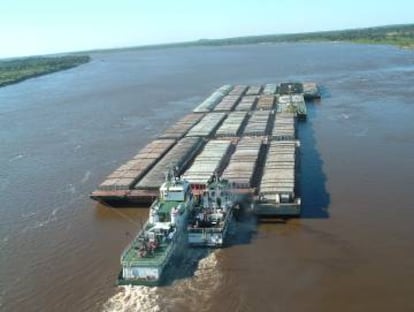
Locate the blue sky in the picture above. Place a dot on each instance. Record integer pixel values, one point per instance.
(29, 27)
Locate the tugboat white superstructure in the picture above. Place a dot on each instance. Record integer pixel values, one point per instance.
(210, 219)
(162, 237)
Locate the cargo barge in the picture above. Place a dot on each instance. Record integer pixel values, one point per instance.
(244, 134)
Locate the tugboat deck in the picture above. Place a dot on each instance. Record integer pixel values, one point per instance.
(132, 258)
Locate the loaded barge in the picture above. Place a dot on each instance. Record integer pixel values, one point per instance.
(243, 134)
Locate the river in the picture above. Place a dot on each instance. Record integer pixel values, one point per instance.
(61, 134)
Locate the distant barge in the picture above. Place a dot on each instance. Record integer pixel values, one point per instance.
(244, 134)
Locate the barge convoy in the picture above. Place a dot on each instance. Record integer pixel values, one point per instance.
(239, 146)
(246, 135)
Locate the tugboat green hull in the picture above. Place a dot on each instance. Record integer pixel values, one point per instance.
(138, 282)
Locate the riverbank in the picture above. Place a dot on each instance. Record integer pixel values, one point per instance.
(397, 35)
(401, 36)
(14, 71)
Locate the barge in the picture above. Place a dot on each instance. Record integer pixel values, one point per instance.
(277, 195)
(246, 135)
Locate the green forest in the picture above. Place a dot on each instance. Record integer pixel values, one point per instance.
(16, 70)
(399, 35)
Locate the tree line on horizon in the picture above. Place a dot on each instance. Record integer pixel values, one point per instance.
(13, 71)
(401, 35)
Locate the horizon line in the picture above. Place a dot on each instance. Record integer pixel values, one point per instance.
(194, 42)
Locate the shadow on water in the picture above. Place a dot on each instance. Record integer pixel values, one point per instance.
(243, 229)
(312, 179)
(241, 232)
(185, 265)
(325, 94)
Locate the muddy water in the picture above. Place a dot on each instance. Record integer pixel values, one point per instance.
(352, 250)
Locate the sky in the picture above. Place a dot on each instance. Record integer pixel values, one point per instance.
(33, 27)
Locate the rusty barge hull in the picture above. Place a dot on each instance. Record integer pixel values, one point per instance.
(125, 198)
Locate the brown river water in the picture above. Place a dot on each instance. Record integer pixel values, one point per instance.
(352, 250)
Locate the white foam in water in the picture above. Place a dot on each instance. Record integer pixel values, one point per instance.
(52, 217)
(28, 215)
(197, 292)
(40, 223)
(16, 157)
(133, 298)
(71, 188)
(189, 294)
(86, 177)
